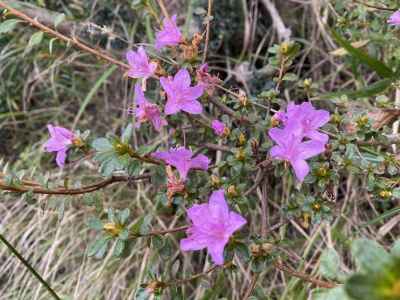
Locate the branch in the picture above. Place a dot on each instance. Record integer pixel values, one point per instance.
(207, 31)
(374, 6)
(73, 41)
(36, 188)
(305, 277)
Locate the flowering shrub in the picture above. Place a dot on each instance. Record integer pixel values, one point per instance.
(238, 179)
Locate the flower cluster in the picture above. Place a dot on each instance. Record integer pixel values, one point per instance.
(214, 231)
(299, 122)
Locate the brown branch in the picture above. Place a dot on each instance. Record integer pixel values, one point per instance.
(251, 286)
(305, 277)
(187, 280)
(163, 8)
(73, 41)
(161, 232)
(207, 31)
(28, 186)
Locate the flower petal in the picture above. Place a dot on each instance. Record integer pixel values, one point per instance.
(216, 251)
(218, 207)
(301, 169)
(193, 107)
(200, 162)
(61, 157)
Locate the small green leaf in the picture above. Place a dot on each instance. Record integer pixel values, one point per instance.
(127, 134)
(8, 25)
(119, 248)
(102, 145)
(35, 39)
(329, 264)
(95, 224)
(59, 19)
(99, 247)
(123, 216)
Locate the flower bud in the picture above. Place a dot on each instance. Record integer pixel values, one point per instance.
(215, 181)
(385, 194)
(78, 142)
(112, 228)
(241, 139)
(240, 155)
(232, 192)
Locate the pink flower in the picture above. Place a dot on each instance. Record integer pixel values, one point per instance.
(60, 140)
(182, 159)
(291, 148)
(305, 120)
(206, 79)
(139, 64)
(394, 19)
(147, 111)
(212, 226)
(169, 35)
(181, 96)
(218, 127)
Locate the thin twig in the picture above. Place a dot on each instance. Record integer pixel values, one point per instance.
(38, 189)
(29, 267)
(305, 277)
(251, 286)
(374, 6)
(187, 280)
(163, 9)
(207, 31)
(59, 35)
(161, 232)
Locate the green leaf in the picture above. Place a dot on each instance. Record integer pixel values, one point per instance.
(376, 65)
(95, 224)
(369, 255)
(119, 248)
(329, 264)
(35, 39)
(59, 19)
(102, 144)
(8, 25)
(337, 293)
(127, 134)
(123, 216)
(99, 247)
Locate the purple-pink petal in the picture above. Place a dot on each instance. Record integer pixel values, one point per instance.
(394, 19)
(182, 159)
(59, 141)
(301, 169)
(169, 35)
(139, 64)
(218, 127)
(212, 226)
(180, 95)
